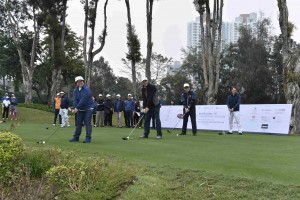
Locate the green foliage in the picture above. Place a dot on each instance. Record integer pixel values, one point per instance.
(90, 175)
(11, 151)
(39, 161)
(42, 107)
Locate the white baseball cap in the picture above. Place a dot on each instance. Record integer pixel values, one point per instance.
(58, 94)
(186, 85)
(118, 95)
(79, 78)
(62, 92)
(100, 95)
(108, 95)
(129, 94)
(144, 78)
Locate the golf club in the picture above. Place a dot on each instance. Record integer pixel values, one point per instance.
(127, 138)
(44, 141)
(180, 117)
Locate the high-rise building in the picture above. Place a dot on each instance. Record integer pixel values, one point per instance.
(230, 30)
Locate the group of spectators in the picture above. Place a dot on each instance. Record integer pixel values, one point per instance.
(105, 108)
(9, 107)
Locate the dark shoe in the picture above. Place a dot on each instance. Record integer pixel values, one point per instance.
(158, 137)
(240, 133)
(228, 132)
(74, 140)
(194, 134)
(143, 136)
(182, 134)
(86, 141)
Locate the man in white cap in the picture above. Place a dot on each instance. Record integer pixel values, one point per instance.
(100, 111)
(129, 108)
(108, 111)
(5, 105)
(151, 105)
(64, 105)
(118, 109)
(188, 100)
(56, 106)
(83, 108)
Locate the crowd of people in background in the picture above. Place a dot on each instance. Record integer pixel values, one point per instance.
(89, 109)
(9, 107)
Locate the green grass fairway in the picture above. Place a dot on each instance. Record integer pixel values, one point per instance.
(268, 158)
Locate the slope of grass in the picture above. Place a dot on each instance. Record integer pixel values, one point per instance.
(209, 165)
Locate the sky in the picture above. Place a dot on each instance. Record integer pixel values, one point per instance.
(169, 25)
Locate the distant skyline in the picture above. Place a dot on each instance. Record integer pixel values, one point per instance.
(169, 32)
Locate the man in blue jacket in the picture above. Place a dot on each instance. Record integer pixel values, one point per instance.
(233, 104)
(118, 109)
(188, 100)
(83, 107)
(151, 105)
(129, 108)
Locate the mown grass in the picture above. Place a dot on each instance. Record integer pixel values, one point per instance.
(207, 166)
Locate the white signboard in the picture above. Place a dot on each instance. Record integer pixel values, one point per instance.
(259, 118)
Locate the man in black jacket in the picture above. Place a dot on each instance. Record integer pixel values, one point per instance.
(100, 111)
(233, 104)
(188, 99)
(151, 107)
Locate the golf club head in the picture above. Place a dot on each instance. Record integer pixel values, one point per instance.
(180, 116)
(125, 138)
(220, 133)
(168, 131)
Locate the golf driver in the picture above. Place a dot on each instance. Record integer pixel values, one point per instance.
(127, 138)
(180, 117)
(44, 141)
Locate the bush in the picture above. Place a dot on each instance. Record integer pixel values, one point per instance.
(96, 177)
(11, 151)
(39, 161)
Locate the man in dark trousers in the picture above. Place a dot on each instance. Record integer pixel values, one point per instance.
(83, 107)
(233, 104)
(151, 107)
(100, 111)
(188, 100)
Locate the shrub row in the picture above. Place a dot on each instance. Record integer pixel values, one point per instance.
(48, 173)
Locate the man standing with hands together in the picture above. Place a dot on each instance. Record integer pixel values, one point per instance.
(83, 107)
(233, 104)
(188, 100)
(151, 107)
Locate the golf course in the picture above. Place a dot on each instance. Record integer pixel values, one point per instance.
(206, 166)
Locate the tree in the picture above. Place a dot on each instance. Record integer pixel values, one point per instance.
(291, 64)
(159, 65)
(103, 81)
(149, 8)
(16, 12)
(90, 10)
(170, 87)
(210, 44)
(53, 16)
(134, 47)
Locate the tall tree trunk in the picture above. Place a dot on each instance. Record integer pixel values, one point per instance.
(27, 69)
(58, 54)
(291, 65)
(133, 68)
(89, 56)
(211, 45)
(149, 7)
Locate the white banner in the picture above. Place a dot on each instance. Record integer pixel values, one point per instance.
(258, 118)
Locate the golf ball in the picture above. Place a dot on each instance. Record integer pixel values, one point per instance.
(128, 138)
(177, 134)
(43, 142)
